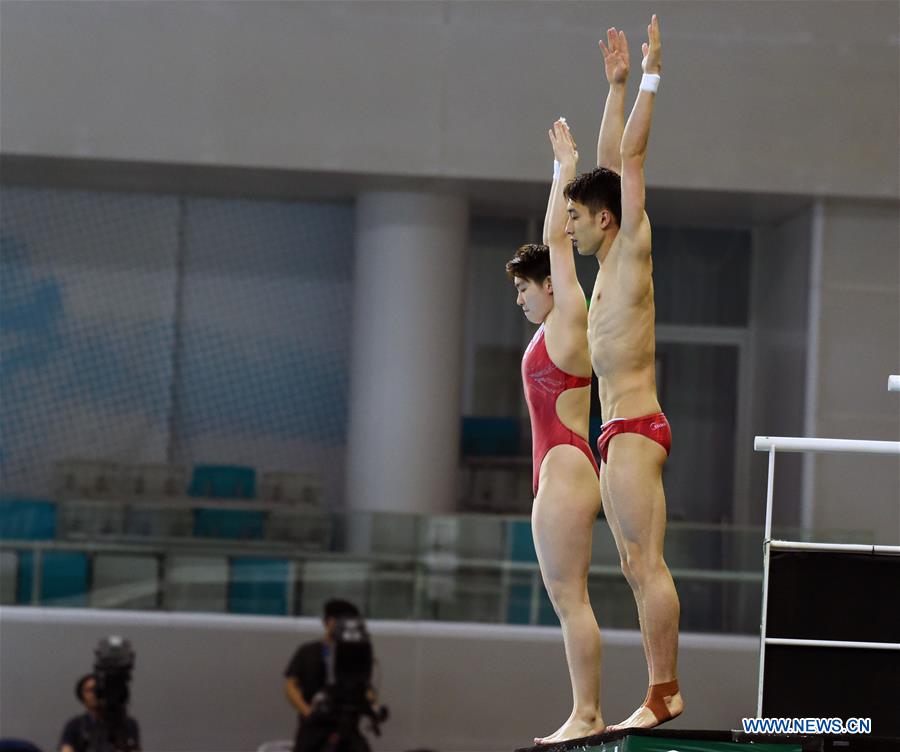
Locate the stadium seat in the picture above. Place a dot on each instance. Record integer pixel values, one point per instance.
(27, 519)
(223, 482)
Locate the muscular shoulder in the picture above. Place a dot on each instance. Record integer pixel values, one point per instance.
(566, 342)
(638, 241)
(565, 330)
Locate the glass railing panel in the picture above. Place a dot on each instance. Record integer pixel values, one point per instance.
(195, 582)
(392, 592)
(183, 555)
(125, 581)
(459, 592)
(612, 600)
(8, 569)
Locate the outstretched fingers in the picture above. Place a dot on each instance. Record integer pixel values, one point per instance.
(651, 48)
(613, 42)
(562, 141)
(615, 55)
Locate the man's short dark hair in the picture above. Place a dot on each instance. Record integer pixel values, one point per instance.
(598, 189)
(532, 261)
(337, 608)
(79, 686)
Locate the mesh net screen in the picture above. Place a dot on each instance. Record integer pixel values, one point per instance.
(149, 328)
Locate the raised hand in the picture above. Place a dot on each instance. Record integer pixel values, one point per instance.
(555, 220)
(564, 150)
(615, 56)
(652, 49)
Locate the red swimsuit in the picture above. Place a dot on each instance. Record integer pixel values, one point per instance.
(654, 427)
(544, 382)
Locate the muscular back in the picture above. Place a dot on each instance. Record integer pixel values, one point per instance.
(621, 332)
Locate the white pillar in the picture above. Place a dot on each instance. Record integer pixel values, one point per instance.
(406, 370)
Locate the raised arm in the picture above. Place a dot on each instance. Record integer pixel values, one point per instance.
(636, 135)
(615, 60)
(568, 297)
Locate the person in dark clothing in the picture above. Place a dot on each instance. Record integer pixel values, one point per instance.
(307, 675)
(80, 733)
(18, 745)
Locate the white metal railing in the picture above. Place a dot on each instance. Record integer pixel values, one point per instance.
(834, 643)
(858, 548)
(773, 444)
(822, 446)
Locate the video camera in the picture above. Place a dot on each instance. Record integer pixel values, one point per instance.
(345, 698)
(113, 663)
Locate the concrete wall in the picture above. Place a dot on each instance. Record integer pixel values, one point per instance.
(778, 320)
(206, 682)
(855, 341)
(826, 335)
(456, 89)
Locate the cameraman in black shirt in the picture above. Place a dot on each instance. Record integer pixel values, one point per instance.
(80, 733)
(307, 682)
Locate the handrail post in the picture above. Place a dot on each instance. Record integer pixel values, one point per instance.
(770, 489)
(771, 444)
(37, 574)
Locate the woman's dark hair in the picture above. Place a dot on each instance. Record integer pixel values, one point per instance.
(532, 261)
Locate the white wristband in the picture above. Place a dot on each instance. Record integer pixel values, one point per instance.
(650, 82)
(555, 168)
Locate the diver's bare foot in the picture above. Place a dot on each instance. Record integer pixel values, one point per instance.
(645, 718)
(574, 728)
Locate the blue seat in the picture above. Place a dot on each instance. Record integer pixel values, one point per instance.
(492, 437)
(259, 586)
(223, 482)
(521, 590)
(27, 519)
(64, 578)
(521, 542)
(546, 614)
(518, 610)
